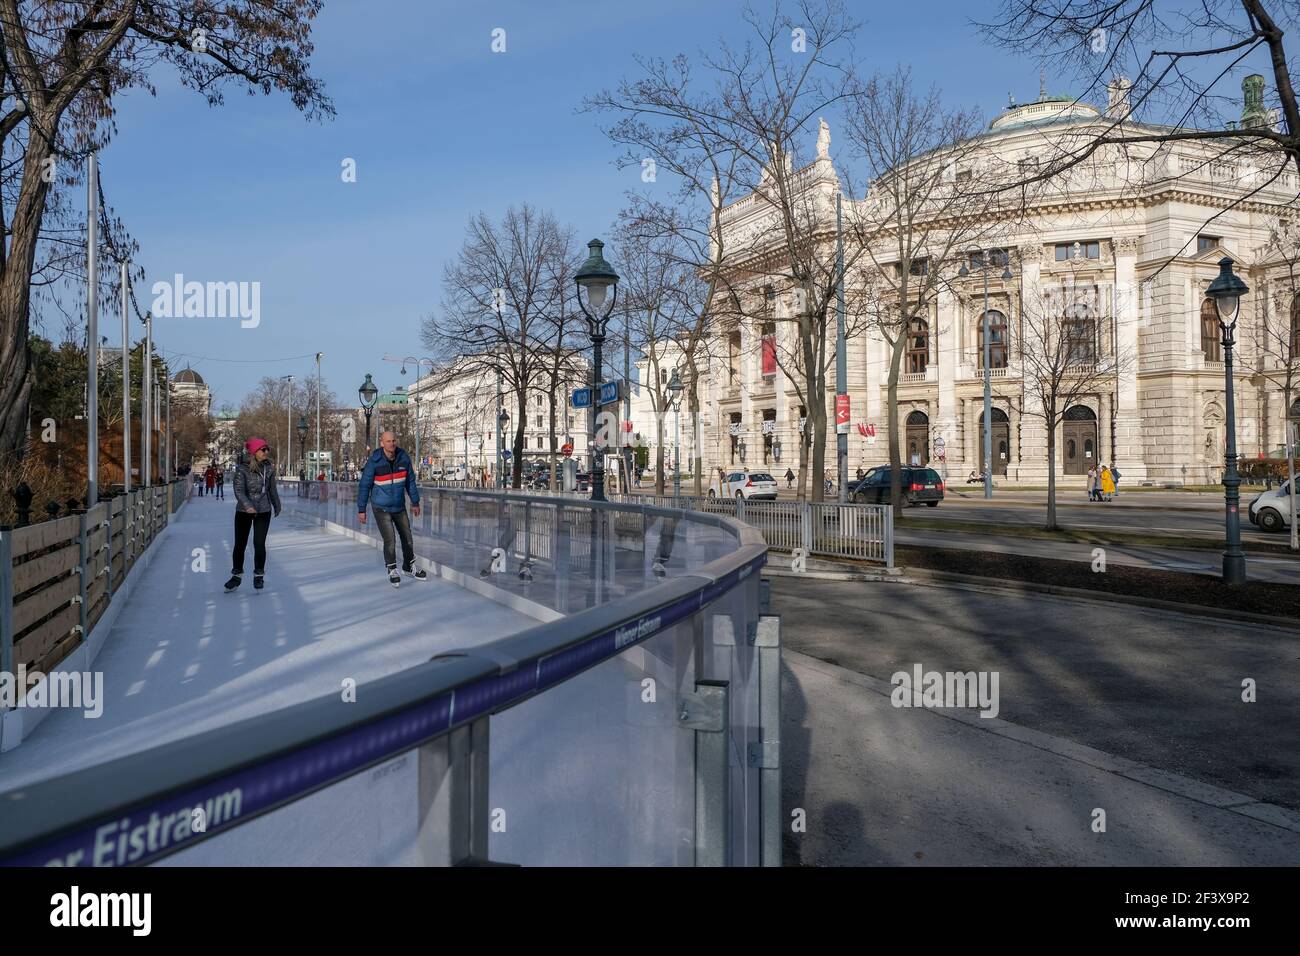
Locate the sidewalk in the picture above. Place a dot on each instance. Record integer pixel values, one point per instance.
(887, 786)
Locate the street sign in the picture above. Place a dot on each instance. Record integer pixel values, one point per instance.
(582, 398)
(939, 446)
(505, 453)
(841, 414)
(609, 392)
(566, 449)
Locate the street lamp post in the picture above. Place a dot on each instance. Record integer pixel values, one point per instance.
(302, 440)
(1226, 291)
(418, 400)
(368, 394)
(675, 390)
(599, 278)
(289, 422)
(503, 421)
(318, 449)
(986, 262)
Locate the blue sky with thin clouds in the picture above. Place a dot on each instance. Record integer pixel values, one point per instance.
(440, 128)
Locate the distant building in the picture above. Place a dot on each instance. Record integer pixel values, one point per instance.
(188, 386)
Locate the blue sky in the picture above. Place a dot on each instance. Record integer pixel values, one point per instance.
(440, 128)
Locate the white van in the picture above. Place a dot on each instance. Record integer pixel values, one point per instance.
(1272, 510)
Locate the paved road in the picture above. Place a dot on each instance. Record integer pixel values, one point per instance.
(1133, 711)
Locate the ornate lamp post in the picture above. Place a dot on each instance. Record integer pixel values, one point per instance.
(675, 388)
(368, 393)
(986, 262)
(599, 278)
(418, 400)
(1226, 290)
(503, 423)
(302, 436)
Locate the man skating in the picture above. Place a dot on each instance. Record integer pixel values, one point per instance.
(386, 480)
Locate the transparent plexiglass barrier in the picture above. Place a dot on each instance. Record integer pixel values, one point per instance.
(610, 767)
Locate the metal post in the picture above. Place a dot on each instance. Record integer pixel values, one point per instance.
(677, 451)
(92, 332)
(126, 388)
(318, 355)
(6, 602)
(597, 455)
(841, 360)
(1234, 559)
(988, 391)
(628, 454)
(288, 421)
(1292, 436)
(453, 797)
(706, 713)
(767, 642)
(500, 469)
(167, 441)
(889, 537)
(83, 573)
(146, 409)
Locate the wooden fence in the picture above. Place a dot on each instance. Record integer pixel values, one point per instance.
(58, 577)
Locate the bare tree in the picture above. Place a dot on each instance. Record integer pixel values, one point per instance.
(1067, 353)
(500, 300)
(63, 64)
(747, 129)
(1278, 346)
(934, 197)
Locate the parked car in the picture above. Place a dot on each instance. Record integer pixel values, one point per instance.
(758, 485)
(1272, 510)
(918, 485)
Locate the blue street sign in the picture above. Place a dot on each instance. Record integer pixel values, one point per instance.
(505, 452)
(582, 398)
(609, 392)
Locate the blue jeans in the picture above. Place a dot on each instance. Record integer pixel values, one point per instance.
(385, 520)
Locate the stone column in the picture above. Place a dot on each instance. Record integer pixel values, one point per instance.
(944, 424)
(1129, 452)
(1032, 467)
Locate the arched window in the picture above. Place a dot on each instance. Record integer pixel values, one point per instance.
(1080, 336)
(918, 345)
(1295, 328)
(998, 342)
(1210, 332)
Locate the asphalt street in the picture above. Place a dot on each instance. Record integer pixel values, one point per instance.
(1136, 712)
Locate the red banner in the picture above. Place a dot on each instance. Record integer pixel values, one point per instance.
(842, 414)
(769, 355)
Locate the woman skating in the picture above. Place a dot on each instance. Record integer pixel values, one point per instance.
(256, 498)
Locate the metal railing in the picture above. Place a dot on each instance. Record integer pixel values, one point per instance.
(639, 726)
(861, 531)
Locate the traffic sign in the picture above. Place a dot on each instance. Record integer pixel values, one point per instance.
(939, 446)
(582, 398)
(566, 449)
(609, 392)
(505, 452)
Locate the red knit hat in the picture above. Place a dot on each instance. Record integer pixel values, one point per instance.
(253, 444)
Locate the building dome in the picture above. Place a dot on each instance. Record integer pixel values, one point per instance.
(187, 376)
(1048, 109)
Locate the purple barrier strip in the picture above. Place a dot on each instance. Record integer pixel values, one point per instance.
(161, 827)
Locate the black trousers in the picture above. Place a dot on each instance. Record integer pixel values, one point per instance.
(386, 520)
(221, 491)
(260, 523)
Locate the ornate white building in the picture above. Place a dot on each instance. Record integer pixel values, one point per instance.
(1128, 243)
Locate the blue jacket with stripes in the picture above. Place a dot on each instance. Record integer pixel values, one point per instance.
(386, 483)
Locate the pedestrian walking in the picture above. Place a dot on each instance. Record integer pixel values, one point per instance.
(1092, 483)
(386, 481)
(1107, 484)
(789, 478)
(210, 479)
(256, 499)
(1115, 476)
(221, 484)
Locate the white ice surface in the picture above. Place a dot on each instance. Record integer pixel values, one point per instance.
(184, 656)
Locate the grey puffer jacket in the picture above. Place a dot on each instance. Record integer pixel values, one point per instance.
(255, 487)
